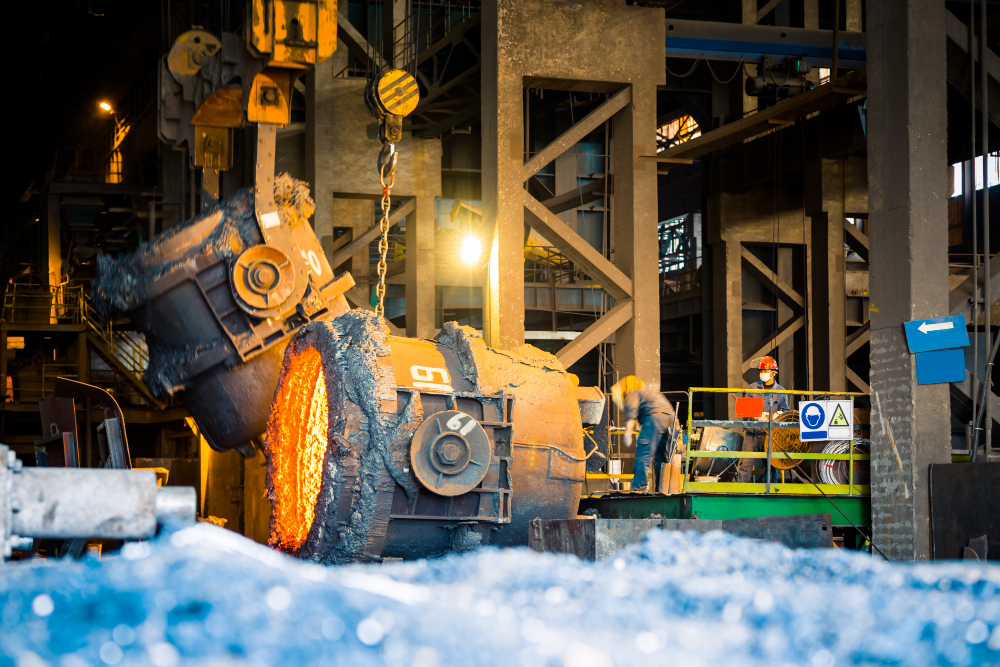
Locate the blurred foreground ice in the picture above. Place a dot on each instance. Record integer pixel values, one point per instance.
(206, 596)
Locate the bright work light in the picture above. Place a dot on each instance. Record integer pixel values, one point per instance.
(471, 249)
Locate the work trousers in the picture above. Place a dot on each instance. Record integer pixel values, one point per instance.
(650, 448)
(754, 441)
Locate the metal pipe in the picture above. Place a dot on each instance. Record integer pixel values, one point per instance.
(987, 328)
(986, 386)
(836, 43)
(969, 174)
(65, 503)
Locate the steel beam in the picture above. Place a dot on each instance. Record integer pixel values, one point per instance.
(856, 380)
(575, 134)
(781, 289)
(959, 75)
(578, 197)
(734, 42)
(856, 240)
(597, 332)
(858, 338)
(346, 252)
(579, 251)
(960, 298)
(780, 336)
(822, 97)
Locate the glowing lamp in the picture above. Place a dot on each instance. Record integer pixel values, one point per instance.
(471, 249)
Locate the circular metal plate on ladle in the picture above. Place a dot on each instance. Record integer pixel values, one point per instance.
(263, 279)
(450, 453)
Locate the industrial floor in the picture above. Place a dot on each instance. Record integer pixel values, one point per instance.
(678, 599)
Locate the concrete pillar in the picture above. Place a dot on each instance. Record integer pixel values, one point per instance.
(908, 193)
(341, 165)
(727, 320)
(503, 185)
(50, 269)
(825, 206)
(515, 34)
(634, 220)
(852, 18)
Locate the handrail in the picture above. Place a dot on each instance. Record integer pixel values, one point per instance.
(68, 303)
(688, 486)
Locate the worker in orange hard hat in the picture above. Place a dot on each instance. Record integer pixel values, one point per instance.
(655, 416)
(755, 438)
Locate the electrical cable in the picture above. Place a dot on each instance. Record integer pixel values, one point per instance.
(697, 61)
(982, 402)
(740, 67)
(970, 184)
(870, 539)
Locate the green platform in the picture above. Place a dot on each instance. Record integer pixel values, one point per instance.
(719, 506)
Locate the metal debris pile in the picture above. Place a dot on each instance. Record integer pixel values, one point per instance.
(205, 595)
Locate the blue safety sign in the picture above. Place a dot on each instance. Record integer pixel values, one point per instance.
(938, 333)
(941, 366)
(812, 420)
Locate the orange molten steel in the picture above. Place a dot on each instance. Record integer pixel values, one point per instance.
(297, 436)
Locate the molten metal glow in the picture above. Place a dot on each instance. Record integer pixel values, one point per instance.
(297, 436)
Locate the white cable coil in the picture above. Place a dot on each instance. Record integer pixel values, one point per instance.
(834, 471)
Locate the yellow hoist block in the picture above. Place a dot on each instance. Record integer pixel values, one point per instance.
(270, 98)
(293, 34)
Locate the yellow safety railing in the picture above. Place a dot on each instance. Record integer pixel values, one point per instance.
(767, 487)
(69, 304)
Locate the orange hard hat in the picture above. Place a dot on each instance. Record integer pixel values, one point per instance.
(768, 364)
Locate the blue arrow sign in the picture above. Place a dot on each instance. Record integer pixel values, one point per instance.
(938, 333)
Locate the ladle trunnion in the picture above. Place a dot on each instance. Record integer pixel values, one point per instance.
(218, 302)
(387, 447)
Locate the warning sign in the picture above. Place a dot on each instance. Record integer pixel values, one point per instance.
(825, 420)
(841, 421)
(838, 418)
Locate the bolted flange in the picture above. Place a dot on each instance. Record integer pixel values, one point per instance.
(450, 453)
(263, 278)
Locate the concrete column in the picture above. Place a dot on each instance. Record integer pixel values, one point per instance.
(825, 205)
(503, 185)
(50, 269)
(634, 220)
(852, 21)
(908, 193)
(727, 320)
(515, 34)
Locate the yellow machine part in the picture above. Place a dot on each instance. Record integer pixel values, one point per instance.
(189, 50)
(212, 148)
(786, 440)
(398, 92)
(291, 33)
(271, 97)
(223, 108)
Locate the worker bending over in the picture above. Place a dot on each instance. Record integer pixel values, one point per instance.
(655, 415)
(755, 438)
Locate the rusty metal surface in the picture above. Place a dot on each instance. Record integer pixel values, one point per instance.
(378, 390)
(178, 290)
(588, 538)
(593, 538)
(802, 531)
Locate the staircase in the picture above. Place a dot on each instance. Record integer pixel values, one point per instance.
(67, 305)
